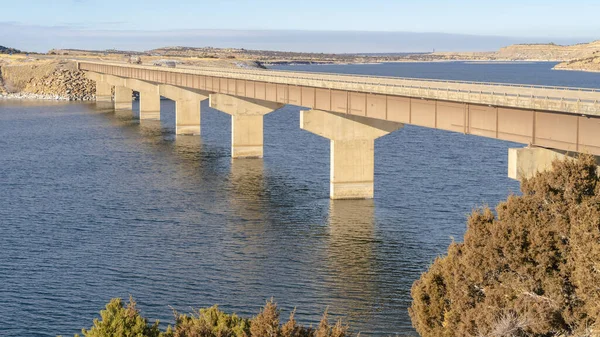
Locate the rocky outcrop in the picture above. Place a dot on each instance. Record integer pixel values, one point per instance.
(587, 64)
(68, 84)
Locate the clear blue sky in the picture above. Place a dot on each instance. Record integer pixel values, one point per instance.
(552, 19)
(560, 18)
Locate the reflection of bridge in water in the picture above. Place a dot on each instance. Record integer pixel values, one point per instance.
(352, 111)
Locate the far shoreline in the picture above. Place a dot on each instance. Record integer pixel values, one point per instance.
(470, 62)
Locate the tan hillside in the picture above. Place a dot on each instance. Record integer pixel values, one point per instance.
(586, 64)
(548, 52)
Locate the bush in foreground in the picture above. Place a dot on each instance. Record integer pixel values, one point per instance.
(121, 321)
(126, 321)
(532, 269)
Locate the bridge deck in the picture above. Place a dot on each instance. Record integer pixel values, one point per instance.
(551, 98)
(557, 117)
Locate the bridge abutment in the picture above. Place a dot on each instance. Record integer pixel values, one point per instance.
(246, 122)
(352, 146)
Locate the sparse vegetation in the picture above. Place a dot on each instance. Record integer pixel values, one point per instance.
(531, 269)
(118, 320)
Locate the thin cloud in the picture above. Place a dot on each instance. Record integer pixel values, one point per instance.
(90, 25)
(72, 35)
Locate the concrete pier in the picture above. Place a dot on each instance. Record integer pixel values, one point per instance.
(246, 122)
(104, 95)
(150, 105)
(187, 117)
(187, 108)
(352, 157)
(524, 163)
(149, 98)
(123, 98)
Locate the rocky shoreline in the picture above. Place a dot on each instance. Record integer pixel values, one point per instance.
(30, 96)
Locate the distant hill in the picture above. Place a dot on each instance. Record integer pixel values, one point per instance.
(529, 52)
(6, 50)
(277, 57)
(80, 52)
(550, 52)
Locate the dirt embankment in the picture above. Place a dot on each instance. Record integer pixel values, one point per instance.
(49, 79)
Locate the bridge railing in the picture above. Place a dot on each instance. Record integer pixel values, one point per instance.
(551, 98)
(393, 78)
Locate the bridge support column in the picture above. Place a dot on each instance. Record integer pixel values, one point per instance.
(187, 107)
(187, 117)
(352, 157)
(246, 122)
(524, 163)
(103, 90)
(104, 95)
(123, 98)
(150, 104)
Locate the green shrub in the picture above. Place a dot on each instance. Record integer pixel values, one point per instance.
(119, 321)
(211, 322)
(531, 270)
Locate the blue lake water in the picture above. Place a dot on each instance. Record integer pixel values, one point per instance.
(95, 205)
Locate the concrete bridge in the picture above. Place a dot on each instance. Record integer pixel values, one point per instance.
(352, 111)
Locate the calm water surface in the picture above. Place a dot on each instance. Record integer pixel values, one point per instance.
(95, 205)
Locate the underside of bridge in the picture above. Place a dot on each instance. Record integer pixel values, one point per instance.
(352, 121)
